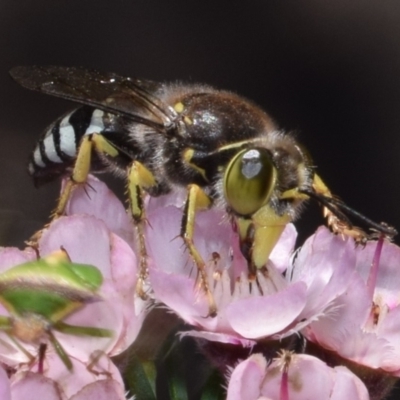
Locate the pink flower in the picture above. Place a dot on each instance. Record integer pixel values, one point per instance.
(275, 307)
(364, 323)
(57, 383)
(88, 240)
(96, 199)
(5, 389)
(294, 377)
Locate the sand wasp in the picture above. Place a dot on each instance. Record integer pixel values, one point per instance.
(224, 149)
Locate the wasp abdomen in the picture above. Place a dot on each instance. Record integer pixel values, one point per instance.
(58, 146)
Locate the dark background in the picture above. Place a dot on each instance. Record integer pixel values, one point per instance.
(329, 70)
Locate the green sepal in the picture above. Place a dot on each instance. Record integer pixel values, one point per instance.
(186, 374)
(213, 386)
(140, 378)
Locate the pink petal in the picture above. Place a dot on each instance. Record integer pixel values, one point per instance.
(124, 262)
(262, 316)
(31, 384)
(85, 238)
(366, 348)
(388, 280)
(283, 251)
(107, 389)
(102, 314)
(309, 378)
(72, 382)
(96, 199)
(350, 310)
(164, 246)
(5, 390)
(348, 386)
(389, 330)
(177, 292)
(246, 379)
(167, 249)
(326, 264)
(11, 256)
(219, 337)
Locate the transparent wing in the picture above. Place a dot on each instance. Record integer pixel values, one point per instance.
(132, 98)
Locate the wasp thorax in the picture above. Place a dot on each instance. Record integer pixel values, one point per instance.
(249, 180)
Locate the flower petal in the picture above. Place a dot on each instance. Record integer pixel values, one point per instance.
(348, 386)
(5, 390)
(107, 389)
(246, 379)
(35, 384)
(261, 316)
(96, 199)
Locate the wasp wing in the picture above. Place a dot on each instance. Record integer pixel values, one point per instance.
(131, 98)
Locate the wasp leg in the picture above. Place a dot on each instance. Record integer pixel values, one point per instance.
(337, 225)
(79, 174)
(139, 178)
(82, 165)
(197, 200)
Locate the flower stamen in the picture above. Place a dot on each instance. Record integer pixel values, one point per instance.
(284, 360)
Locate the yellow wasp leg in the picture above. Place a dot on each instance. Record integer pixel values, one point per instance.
(197, 200)
(139, 178)
(82, 166)
(337, 225)
(80, 173)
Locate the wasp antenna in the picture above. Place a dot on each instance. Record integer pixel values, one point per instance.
(324, 200)
(382, 227)
(335, 205)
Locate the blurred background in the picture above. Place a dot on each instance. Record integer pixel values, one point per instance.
(329, 71)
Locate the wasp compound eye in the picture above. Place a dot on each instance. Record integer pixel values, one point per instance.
(249, 180)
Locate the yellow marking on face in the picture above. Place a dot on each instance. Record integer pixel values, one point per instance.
(267, 216)
(268, 229)
(179, 107)
(265, 239)
(243, 225)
